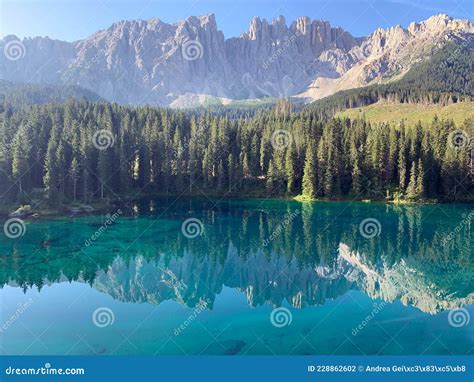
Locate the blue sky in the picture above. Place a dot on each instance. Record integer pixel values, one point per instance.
(75, 19)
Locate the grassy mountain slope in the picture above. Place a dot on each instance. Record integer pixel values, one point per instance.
(411, 113)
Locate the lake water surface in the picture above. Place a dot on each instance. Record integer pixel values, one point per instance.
(242, 277)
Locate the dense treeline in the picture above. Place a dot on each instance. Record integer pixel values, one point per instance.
(138, 150)
(239, 109)
(448, 77)
(20, 94)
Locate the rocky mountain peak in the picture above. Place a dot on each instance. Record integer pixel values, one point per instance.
(145, 61)
(301, 24)
(439, 23)
(207, 22)
(280, 20)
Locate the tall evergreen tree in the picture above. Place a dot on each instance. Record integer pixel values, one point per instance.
(309, 173)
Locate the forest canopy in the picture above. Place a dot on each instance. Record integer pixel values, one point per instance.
(81, 151)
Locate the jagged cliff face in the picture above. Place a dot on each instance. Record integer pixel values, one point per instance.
(387, 54)
(190, 280)
(402, 281)
(173, 64)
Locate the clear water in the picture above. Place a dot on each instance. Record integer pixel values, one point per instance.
(396, 293)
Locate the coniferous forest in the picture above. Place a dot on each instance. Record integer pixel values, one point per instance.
(81, 151)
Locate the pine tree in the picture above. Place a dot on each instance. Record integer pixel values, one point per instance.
(393, 151)
(231, 172)
(402, 168)
(50, 173)
(271, 177)
(20, 155)
(290, 168)
(356, 188)
(420, 181)
(74, 175)
(246, 166)
(411, 192)
(309, 173)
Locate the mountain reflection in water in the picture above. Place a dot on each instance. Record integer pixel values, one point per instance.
(318, 255)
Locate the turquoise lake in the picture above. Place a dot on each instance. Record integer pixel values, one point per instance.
(244, 277)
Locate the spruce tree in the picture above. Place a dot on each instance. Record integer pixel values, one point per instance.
(74, 175)
(309, 173)
(290, 168)
(420, 181)
(411, 192)
(20, 155)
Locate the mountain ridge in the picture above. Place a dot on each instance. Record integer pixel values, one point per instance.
(150, 61)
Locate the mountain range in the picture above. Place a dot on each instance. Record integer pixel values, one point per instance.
(274, 281)
(191, 62)
(190, 280)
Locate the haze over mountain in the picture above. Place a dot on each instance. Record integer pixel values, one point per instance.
(190, 62)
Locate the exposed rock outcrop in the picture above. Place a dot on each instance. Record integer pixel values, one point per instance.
(189, 61)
